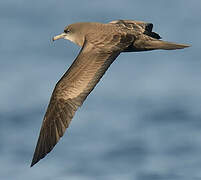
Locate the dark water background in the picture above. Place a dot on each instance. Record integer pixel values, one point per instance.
(142, 121)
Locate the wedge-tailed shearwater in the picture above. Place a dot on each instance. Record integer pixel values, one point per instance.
(101, 44)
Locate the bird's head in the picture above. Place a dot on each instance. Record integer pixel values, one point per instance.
(74, 33)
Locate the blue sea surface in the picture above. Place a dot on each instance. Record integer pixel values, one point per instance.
(141, 122)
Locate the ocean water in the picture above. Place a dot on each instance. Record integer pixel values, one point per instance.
(141, 122)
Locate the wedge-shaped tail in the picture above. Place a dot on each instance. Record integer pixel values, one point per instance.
(157, 44)
(147, 45)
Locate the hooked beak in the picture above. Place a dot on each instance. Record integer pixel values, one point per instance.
(60, 36)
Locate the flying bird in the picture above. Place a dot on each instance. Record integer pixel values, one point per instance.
(101, 44)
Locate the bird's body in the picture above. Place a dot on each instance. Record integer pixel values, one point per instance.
(101, 44)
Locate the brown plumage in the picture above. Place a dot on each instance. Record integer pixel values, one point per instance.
(101, 44)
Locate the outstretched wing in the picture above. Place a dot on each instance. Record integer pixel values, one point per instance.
(69, 93)
(143, 27)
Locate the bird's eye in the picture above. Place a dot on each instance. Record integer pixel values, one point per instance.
(66, 31)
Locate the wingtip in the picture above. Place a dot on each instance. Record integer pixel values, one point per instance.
(33, 162)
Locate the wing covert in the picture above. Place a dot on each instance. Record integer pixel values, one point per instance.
(143, 27)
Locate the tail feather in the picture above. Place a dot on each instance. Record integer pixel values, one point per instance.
(148, 45)
(164, 45)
